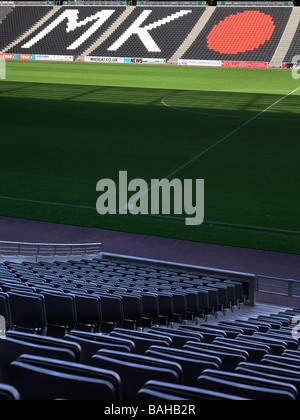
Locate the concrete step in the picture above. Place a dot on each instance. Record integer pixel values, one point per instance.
(106, 34)
(4, 11)
(192, 35)
(286, 39)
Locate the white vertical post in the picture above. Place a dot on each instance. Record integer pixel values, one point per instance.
(2, 69)
(2, 327)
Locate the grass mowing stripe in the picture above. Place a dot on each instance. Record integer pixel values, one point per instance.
(163, 101)
(203, 152)
(28, 200)
(229, 134)
(163, 216)
(231, 225)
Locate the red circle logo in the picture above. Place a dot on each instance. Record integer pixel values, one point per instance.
(241, 32)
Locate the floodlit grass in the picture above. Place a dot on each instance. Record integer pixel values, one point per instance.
(64, 126)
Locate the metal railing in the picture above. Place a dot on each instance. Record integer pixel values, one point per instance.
(278, 286)
(251, 279)
(50, 250)
(277, 290)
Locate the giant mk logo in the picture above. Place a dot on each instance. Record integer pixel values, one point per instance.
(98, 19)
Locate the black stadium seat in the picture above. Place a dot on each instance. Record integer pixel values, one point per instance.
(5, 310)
(255, 350)
(27, 311)
(164, 390)
(90, 346)
(73, 348)
(9, 393)
(141, 368)
(12, 348)
(104, 338)
(229, 356)
(179, 338)
(191, 361)
(60, 311)
(141, 340)
(71, 368)
(245, 385)
(88, 310)
(270, 372)
(52, 379)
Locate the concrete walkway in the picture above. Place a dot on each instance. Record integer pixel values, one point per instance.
(181, 251)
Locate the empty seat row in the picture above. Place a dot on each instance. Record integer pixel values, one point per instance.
(128, 375)
(81, 294)
(158, 363)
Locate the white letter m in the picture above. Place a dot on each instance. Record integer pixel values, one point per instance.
(72, 16)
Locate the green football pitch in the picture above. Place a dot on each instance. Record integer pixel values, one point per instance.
(65, 126)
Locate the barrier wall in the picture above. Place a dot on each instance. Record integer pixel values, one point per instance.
(36, 57)
(216, 63)
(125, 60)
